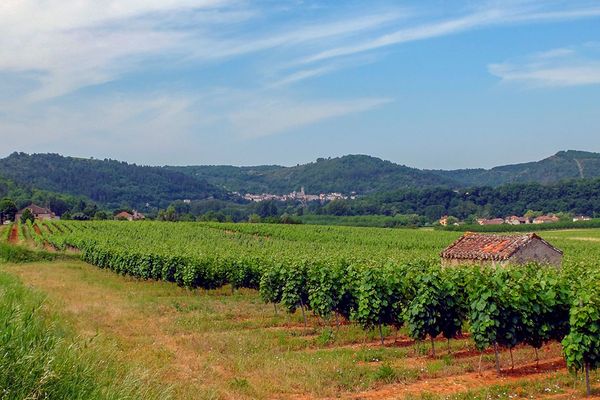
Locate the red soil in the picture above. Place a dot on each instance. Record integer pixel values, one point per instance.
(13, 238)
(37, 230)
(464, 382)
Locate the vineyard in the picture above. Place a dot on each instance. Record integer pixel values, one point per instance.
(383, 281)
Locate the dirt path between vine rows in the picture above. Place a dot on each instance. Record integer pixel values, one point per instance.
(469, 381)
(47, 246)
(13, 238)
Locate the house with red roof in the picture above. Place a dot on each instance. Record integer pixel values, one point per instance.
(480, 249)
(39, 213)
(125, 216)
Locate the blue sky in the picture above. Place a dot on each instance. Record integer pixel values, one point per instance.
(437, 84)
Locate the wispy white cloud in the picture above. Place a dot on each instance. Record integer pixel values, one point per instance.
(264, 117)
(65, 45)
(72, 44)
(68, 44)
(422, 32)
(53, 48)
(554, 68)
(488, 15)
(211, 48)
(302, 75)
(554, 53)
(64, 15)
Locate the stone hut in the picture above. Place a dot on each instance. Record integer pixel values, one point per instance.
(473, 248)
(39, 213)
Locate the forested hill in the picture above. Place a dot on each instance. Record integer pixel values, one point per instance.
(563, 165)
(110, 183)
(114, 184)
(365, 174)
(353, 173)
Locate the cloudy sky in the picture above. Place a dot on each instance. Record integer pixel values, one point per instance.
(436, 84)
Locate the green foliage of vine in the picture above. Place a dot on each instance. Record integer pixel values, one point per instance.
(371, 280)
(439, 306)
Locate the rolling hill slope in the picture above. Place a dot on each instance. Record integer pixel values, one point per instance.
(563, 165)
(365, 174)
(114, 184)
(352, 173)
(108, 182)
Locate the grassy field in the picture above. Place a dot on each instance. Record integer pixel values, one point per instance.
(163, 341)
(44, 357)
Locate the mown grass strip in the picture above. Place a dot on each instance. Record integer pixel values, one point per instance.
(17, 254)
(40, 360)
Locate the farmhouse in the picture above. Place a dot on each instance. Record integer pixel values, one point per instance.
(515, 220)
(39, 213)
(494, 221)
(546, 219)
(480, 249)
(124, 215)
(581, 218)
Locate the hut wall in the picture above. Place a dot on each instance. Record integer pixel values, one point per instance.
(538, 252)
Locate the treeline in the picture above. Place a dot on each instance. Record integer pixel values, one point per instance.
(411, 207)
(15, 197)
(110, 183)
(227, 211)
(87, 187)
(404, 208)
(576, 196)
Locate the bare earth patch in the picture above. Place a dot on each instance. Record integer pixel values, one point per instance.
(13, 238)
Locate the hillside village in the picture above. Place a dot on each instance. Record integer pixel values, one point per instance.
(296, 196)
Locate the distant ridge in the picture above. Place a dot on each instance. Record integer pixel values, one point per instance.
(108, 182)
(570, 164)
(366, 174)
(351, 173)
(114, 184)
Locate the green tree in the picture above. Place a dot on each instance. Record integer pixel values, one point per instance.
(8, 209)
(27, 216)
(267, 209)
(79, 216)
(170, 214)
(533, 214)
(453, 220)
(254, 219)
(101, 216)
(288, 219)
(337, 207)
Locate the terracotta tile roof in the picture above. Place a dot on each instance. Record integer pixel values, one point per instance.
(35, 209)
(472, 246)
